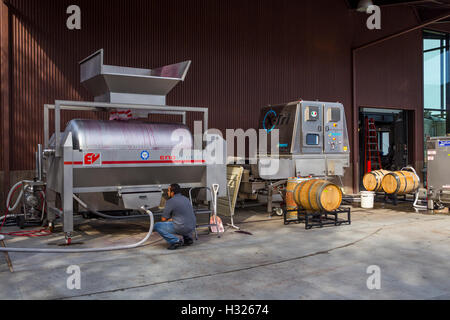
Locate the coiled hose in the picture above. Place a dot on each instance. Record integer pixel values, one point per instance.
(124, 247)
(8, 200)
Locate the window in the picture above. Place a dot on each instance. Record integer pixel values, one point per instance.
(436, 81)
(383, 142)
(436, 71)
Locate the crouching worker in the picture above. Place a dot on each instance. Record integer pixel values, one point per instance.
(182, 222)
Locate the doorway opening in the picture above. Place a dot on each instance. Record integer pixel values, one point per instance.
(384, 139)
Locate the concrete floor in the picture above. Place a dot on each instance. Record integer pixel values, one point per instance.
(276, 262)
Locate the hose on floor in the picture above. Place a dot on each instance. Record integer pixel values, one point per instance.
(123, 247)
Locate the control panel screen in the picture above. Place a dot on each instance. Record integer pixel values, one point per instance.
(312, 139)
(334, 115)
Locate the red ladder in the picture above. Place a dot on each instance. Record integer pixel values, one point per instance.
(372, 152)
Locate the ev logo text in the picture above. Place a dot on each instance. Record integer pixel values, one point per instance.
(92, 159)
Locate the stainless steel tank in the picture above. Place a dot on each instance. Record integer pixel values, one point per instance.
(438, 173)
(98, 134)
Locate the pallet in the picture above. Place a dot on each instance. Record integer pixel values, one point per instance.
(319, 218)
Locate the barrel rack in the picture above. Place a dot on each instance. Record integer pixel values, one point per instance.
(319, 218)
(391, 198)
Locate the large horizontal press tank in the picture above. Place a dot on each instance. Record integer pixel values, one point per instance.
(140, 135)
(124, 165)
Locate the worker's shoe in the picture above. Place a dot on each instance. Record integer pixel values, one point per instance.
(175, 245)
(187, 241)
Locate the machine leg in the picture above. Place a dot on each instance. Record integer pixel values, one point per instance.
(67, 194)
(269, 201)
(68, 236)
(50, 197)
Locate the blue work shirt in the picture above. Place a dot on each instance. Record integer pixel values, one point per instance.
(180, 210)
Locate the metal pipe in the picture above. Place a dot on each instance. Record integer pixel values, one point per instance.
(39, 163)
(215, 189)
(355, 125)
(446, 15)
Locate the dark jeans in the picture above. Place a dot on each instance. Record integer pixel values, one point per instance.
(167, 231)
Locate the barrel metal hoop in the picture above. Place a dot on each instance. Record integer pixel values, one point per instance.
(319, 193)
(377, 175)
(299, 185)
(309, 194)
(396, 177)
(406, 182)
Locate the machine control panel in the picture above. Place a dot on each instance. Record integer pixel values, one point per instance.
(307, 127)
(312, 128)
(334, 138)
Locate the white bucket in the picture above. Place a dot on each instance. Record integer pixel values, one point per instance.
(367, 199)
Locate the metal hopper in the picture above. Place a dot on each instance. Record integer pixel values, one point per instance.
(115, 84)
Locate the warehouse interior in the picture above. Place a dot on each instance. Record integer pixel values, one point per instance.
(363, 116)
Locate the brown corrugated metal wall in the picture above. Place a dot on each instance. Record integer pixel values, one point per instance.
(245, 54)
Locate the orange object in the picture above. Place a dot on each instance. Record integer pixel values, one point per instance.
(219, 223)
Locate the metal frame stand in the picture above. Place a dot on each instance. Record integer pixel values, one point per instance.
(66, 150)
(319, 218)
(392, 198)
(270, 187)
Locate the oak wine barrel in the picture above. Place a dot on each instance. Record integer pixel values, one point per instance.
(400, 182)
(318, 195)
(372, 180)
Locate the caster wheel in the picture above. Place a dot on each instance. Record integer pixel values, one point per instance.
(278, 211)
